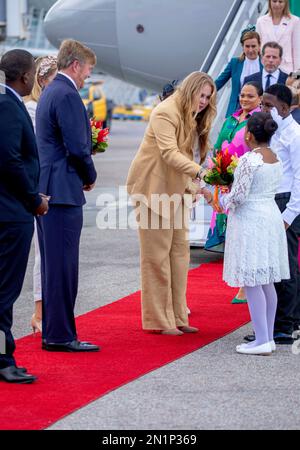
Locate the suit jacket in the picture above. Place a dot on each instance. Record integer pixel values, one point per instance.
(19, 163)
(288, 38)
(296, 115)
(258, 78)
(163, 165)
(64, 143)
(234, 71)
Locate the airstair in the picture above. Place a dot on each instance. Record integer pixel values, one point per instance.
(225, 46)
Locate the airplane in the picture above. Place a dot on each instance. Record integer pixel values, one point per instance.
(152, 42)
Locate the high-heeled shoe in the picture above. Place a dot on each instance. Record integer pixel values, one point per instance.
(188, 329)
(172, 332)
(36, 324)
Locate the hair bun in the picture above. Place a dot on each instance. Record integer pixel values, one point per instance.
(270, 126)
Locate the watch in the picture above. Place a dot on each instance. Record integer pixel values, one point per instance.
(198, 176)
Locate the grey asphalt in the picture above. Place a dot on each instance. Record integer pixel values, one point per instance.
(212, 388)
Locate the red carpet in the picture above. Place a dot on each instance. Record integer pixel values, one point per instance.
(68, 381)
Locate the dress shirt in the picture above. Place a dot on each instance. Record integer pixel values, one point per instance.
(273, 79)
(286, 144)
(13, 91)
(250, 67)
(69, 78)
(31, 107)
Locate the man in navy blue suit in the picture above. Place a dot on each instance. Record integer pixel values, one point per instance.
(65, 147)
(270, 73)
(19, 197)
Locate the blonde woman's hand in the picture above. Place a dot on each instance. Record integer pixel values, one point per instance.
(202, 173)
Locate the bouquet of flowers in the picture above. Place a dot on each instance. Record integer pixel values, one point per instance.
(221, 169)
(99, 136)
(220, 172)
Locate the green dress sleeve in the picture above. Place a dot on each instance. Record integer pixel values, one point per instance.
(224, 134)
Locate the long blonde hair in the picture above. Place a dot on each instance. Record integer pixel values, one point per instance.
(51, 67)
(286, 11)
(197, 125)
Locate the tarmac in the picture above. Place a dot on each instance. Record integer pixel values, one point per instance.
(213, 388)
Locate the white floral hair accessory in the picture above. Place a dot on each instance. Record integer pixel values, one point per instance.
(48, 64)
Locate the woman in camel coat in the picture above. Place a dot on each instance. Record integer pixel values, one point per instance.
(163, 169)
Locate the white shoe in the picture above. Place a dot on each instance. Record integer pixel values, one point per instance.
(244, 345)
(264, 349)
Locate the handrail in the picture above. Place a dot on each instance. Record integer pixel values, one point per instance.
(227, 44)
(220, 36)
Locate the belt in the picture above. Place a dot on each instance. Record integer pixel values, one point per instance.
(282, 195)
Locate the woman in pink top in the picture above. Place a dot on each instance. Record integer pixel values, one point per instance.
(281, 26)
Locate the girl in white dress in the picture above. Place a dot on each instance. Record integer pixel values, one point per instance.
(256, 253)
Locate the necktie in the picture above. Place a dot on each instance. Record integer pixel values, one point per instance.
(268, 83)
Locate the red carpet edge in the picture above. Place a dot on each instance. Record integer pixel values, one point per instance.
(68, 381)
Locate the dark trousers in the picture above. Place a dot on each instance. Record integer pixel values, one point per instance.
(15, 241)
(288, 291)
(59, 236)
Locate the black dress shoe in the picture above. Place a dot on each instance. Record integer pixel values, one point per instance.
(12, 375)
(21, 369)
(74, 346)
(283, 338)
(249, 338)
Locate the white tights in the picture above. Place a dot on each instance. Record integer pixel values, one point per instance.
(262, 303)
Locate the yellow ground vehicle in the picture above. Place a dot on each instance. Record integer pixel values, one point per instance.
(95, 102)
(132, 112)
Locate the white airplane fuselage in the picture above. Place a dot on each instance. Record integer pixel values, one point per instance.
(144, 42)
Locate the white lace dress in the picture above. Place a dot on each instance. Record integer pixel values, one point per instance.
(256, 245)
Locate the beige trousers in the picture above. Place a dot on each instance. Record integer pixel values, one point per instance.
(165, 256)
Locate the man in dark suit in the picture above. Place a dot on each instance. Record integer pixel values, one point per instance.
(19, 197)
(270, 73)
(65, 146)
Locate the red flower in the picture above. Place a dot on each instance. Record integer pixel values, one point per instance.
(226, 160)
(102, 135)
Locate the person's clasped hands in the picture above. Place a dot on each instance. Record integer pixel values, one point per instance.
(43, 208)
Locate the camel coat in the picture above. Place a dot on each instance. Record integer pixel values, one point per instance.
(163, 166)
(288, 38)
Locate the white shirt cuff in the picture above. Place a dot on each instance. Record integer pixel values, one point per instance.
(289, 216)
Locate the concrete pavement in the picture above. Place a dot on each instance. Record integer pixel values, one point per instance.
(212, 388)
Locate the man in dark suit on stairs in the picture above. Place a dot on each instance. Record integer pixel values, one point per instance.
(270, 73)
(19, 197)
(67, 170)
